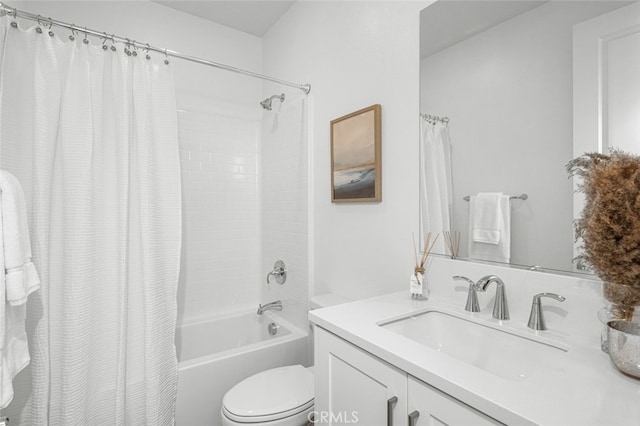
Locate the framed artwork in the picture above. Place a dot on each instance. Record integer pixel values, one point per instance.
(356, 169)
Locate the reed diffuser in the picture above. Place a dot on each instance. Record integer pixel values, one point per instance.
(417, 285)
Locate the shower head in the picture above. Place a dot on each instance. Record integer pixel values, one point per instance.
(266, 104)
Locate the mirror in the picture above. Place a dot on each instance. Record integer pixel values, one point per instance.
(501, 72)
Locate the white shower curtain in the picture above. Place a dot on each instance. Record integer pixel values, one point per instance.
(435, 181)
(92, 136)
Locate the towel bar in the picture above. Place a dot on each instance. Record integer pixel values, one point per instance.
(513, 197)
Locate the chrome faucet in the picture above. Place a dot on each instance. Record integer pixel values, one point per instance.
(500, 307)
(536, 319)
(472, 296)
(273, 306)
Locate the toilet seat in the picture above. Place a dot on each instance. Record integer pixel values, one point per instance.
(266, 418)
(270, 395)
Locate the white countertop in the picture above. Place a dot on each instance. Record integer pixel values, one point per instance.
(586, 389)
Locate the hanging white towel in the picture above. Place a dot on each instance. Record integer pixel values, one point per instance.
(485, 216)
(18, 279)
(22, 278)
(490, 227)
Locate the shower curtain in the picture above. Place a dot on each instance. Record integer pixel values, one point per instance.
(92, 136)
(435, 181)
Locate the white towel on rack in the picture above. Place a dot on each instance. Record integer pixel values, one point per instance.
(490, 227)
(18, 278)
(485, 216)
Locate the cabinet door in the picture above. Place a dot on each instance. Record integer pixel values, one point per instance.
(435, 408)
(354, 387)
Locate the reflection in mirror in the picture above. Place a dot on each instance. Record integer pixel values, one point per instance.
(501, 72)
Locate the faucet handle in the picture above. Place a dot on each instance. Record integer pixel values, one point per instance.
(463, 278)
(472, 296)
(536, 318)
(279, 273)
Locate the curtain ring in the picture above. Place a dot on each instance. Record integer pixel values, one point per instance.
(126, 47)
(135, 48)
(14, 24)
(39, 27)
(166, 57)
(148, 50)
(85, 40)
(113, 43)
(73, 32)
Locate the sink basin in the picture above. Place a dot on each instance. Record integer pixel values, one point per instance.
(505, 353)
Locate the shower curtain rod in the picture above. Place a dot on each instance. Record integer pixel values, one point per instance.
(48, 22)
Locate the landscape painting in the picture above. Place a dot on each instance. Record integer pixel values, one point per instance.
(355, 156)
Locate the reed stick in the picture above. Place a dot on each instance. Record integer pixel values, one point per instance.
(415, 248)
(424, 250)
(453, 242)
(447, 239)
(428, 247)
(428, 252)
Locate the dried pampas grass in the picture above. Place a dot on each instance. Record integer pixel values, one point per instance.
(610, 223)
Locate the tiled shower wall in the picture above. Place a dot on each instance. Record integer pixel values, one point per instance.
(221, 226)
(284, 181)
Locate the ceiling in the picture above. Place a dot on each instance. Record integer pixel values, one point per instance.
(253, 17)
(447, 22)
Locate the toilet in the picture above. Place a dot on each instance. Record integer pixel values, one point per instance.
(282, 396)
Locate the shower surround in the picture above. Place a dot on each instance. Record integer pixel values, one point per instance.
(245, 195)
(221, 245)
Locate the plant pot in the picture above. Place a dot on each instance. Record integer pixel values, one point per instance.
(624, 299)
(624, 346)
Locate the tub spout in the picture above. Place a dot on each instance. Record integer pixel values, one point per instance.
(273, 306)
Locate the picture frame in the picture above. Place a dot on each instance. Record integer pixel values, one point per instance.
(356, 160)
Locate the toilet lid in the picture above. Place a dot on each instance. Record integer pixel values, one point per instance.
(273, 394)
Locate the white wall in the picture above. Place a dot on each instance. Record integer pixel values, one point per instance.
(355, 54)
(508, 94)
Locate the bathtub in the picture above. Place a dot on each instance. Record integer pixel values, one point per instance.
(216, 353)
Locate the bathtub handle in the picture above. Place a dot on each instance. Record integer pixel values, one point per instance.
(279, 273)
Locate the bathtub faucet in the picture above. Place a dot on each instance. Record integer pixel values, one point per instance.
(273, 306)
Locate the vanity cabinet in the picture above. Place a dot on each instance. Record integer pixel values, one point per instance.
(355, 387)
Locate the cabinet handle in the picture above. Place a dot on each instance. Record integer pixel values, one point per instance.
(413, 418)
(391, 403)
